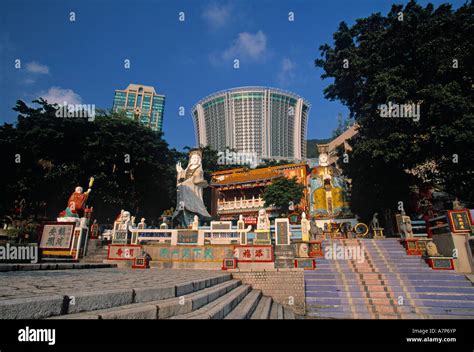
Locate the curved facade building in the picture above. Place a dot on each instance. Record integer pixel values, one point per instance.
(267, 121)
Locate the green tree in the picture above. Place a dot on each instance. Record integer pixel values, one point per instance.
(282, 191)
(419, 55)
(48, 156)
(342, 125)
(273, 162)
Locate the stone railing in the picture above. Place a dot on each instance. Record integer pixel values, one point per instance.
(240, 204)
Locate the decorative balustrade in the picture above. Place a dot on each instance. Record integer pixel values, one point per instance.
(240, 204)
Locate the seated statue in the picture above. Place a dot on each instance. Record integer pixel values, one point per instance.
(314, 229)
(190, 185)
(432, 250)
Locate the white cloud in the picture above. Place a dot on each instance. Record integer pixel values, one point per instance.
(36, 67)
(28, 81)
(217, 16)
(59, 96)
(247, 46)
(287, 72)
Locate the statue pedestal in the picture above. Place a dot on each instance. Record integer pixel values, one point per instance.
(412, 247)
(378, 233)
(262, 237)
(305, 263)
(316, 249)
(302, 249)
(188, 237)
(440, 263)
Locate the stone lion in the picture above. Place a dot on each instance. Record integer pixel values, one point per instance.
(432, 250)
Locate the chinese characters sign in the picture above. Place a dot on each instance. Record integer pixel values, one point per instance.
(253, 253)
(124, 252)
(57, 236)
(192, 254)
(460, 221)
(188, 237)
(282, 232)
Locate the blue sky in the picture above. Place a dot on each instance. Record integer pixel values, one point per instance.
(83, 61)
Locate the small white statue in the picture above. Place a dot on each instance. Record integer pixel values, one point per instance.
(263, 222)
(195, 224)
(375, 221)
(303, 250)
(406, 227)
(241, 222)
(432, 250)
(83, 223)
(125, 220)
(457, 204)
(305, 227)
(142, 224)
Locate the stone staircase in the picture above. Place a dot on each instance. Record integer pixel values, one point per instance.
(388, 284)
(96, 255)
(219, 297)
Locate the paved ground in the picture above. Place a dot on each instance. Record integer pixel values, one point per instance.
(43, 283)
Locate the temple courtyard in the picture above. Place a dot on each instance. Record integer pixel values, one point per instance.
(387, 284)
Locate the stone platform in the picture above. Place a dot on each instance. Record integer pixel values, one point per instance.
(133, 294)
(53, 266)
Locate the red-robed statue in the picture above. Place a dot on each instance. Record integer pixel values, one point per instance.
(76, 203)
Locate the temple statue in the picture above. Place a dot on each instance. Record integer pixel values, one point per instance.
(329, 191)
(76, 203)
(263, 222)
(305, 227)
(190, 185)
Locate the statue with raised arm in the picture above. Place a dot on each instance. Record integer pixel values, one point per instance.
(75, 204)
(190, 185)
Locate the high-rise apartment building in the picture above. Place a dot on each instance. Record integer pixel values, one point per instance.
(142, 104)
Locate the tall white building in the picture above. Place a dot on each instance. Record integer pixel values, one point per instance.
(267, 121)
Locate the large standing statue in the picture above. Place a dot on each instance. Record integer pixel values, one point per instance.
(190, 184)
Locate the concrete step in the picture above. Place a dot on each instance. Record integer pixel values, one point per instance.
(39, 307)
(328, 315)
(408, 270)
(262, 311)
(288, 314)
(390, 302)
(245, 309)
(391, 281)
(159, 309)
(277, 311)
(424, 312)
(457, 317)
(220, 307)
(53, 266)
(394, 294)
